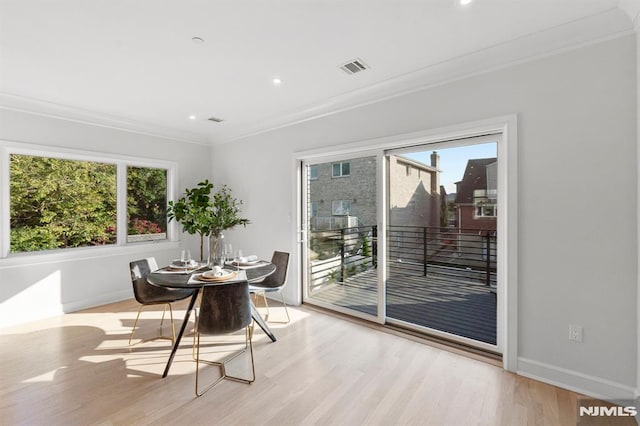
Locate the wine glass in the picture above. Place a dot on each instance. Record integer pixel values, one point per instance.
(227, 253)
(185, 258)
(238, 258)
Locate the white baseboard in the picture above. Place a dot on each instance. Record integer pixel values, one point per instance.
(103, 299)
(592, 386)
(14, 316)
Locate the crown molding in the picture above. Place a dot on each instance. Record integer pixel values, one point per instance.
(13, 102)
(632, 9)
(587, 31)
(609, 24)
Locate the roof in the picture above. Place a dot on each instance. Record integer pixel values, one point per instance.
(475, 177)
(415, 163)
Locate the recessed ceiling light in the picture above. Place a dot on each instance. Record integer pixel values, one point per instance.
(276, 81)
(192, 117)
(464, 2)
(197, 40)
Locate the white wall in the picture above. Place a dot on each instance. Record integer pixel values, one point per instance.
(577, 198)
(39, 285)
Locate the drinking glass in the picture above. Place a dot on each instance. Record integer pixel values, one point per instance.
(227, 253)
(185, 257)
(237, 258)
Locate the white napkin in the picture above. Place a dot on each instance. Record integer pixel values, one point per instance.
(245, 259)
(242, 276)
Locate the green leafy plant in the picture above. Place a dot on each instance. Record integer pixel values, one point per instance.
(366, 246)
(351, 270)
(206, 214)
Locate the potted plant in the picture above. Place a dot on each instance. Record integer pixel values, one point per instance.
(200, 212)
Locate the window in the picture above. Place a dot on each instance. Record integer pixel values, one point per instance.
(485, 202)
(58, 203)
(341, 169)
(146, 204)
(313, 172)
(313, 209)
(341, 207)
(70, 199)
(485, 210)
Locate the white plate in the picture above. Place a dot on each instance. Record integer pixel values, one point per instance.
(248, 263)
(211, 274)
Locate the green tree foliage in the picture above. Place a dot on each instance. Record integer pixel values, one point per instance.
(444, 212)
(146, 200)
(57, 203)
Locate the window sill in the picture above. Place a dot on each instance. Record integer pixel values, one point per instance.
(82, 253)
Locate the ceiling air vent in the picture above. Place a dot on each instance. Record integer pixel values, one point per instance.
(215, 119)
(354, 66)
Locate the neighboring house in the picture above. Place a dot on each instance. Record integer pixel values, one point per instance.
(476, 195)
(342, 194)
(414, 192)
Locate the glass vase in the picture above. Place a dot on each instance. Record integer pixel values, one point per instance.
(215, 250)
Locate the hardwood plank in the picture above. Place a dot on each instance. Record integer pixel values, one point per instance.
(77, 369)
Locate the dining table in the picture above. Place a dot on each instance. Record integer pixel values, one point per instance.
(172, 278)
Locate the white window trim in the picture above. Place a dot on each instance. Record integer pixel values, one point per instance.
(122, 162)
(507, 212)
(483, 215)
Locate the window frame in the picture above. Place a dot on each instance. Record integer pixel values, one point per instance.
(131, 239)
(311, 175)
(342, 174)
(339, 205)
(121, 162)
(481, 210)
(313, 209)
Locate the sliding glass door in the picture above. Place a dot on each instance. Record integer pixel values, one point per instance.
(340, 210)
(407, 236)
(441, 247)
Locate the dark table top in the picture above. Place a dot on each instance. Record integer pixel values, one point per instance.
(178, 280)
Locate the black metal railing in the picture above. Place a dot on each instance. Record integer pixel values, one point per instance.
(413, 249)
(341, 253)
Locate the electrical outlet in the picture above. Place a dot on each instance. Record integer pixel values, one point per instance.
(575, 333)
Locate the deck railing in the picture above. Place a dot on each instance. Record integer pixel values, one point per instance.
(341, 253)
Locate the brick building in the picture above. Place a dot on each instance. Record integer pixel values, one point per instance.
(343, 194)
(414, 192)
(476, 195)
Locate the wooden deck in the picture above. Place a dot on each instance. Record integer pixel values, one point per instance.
(452, 300)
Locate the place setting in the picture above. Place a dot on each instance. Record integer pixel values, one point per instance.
(217, 274)
(184, 265)
(225, 271)
(245, 262)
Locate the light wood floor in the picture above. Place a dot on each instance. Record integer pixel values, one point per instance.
(77, 369)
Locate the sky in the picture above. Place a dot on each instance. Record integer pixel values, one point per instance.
(454, 160)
